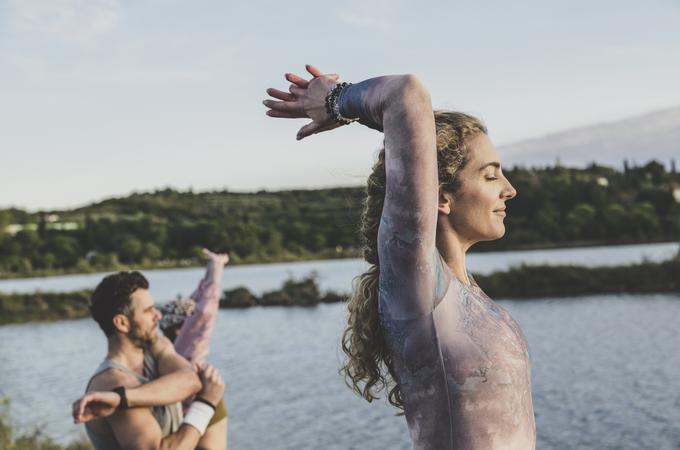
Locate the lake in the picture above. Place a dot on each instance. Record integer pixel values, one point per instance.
(604, 367)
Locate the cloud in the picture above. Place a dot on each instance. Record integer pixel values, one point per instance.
(78, 21)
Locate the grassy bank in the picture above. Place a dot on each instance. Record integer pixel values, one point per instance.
(568, 281)
(43, 306)
(524, 282)
(11, 440)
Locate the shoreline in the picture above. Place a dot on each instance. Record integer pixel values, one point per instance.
(325, 255)
(525, 282)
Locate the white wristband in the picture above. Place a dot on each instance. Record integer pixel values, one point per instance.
(198, 416)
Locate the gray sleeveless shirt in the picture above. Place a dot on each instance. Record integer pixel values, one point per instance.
(169, 417)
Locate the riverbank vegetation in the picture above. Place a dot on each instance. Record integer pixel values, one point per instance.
(10, 439)
(527, 282)
(42, 306)
(556, 207)
(524, 282)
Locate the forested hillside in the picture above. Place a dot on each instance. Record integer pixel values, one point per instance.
(556, 206)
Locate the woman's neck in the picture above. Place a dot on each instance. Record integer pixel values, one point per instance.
(453, 249)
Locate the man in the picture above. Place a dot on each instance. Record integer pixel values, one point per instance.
(133, 399)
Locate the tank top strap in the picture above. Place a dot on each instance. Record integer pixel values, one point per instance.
(109, 363)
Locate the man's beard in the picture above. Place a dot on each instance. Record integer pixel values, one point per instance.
(140, 339)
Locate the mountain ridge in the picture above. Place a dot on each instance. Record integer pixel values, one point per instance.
(638, 139)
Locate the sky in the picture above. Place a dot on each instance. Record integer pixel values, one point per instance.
(100, 98)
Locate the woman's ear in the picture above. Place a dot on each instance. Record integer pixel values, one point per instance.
(445, 202)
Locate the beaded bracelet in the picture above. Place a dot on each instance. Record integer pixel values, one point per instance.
(333, 104)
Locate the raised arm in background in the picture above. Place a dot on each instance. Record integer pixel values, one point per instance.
(193, 342)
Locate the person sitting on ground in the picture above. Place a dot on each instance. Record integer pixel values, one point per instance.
(189, 324)
(133, 399)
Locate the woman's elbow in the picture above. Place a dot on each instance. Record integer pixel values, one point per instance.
(411, 87)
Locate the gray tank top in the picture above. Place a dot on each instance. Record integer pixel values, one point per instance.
(169, 417)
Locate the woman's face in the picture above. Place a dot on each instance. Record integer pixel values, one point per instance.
(477, 208)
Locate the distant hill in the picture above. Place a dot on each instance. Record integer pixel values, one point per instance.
(638, 139)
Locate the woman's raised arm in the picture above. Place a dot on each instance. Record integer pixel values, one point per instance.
(400, 106)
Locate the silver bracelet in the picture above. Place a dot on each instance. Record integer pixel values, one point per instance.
(333, 104)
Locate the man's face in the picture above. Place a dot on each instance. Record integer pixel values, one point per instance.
(144, 319)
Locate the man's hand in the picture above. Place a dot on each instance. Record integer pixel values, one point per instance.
(94, 405)
(213, 384)
(219, 258)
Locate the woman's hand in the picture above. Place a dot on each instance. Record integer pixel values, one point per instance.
(304, 99)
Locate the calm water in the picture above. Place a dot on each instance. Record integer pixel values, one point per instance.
(605, 376)
(605, 368)
(337, 274)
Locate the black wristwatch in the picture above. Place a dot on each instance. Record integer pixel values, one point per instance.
(120, 390)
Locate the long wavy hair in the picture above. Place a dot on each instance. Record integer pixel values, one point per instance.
(368, 365)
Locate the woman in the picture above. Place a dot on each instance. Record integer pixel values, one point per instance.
(189, 325)
(419, 326)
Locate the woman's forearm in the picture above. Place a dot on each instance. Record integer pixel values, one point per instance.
(401, 106)
(371, 99)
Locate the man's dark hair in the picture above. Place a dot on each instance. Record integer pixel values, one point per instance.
(112, 297)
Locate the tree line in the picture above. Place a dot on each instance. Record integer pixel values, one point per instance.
(556, 206)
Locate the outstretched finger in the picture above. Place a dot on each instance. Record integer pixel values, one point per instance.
(313, 71)
(308, 130)
(289, 107)
(285, 96)
(296, 91)
(284, 115)
(297, 80)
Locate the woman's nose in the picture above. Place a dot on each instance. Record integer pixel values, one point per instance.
(509, 192)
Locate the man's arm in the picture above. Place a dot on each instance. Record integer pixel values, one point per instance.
(134, 428)
(177, 380)
(137, 429)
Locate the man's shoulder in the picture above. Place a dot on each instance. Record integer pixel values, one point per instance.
(161, 346)
(111, 378)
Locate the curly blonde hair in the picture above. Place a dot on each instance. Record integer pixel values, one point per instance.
(368, 365)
